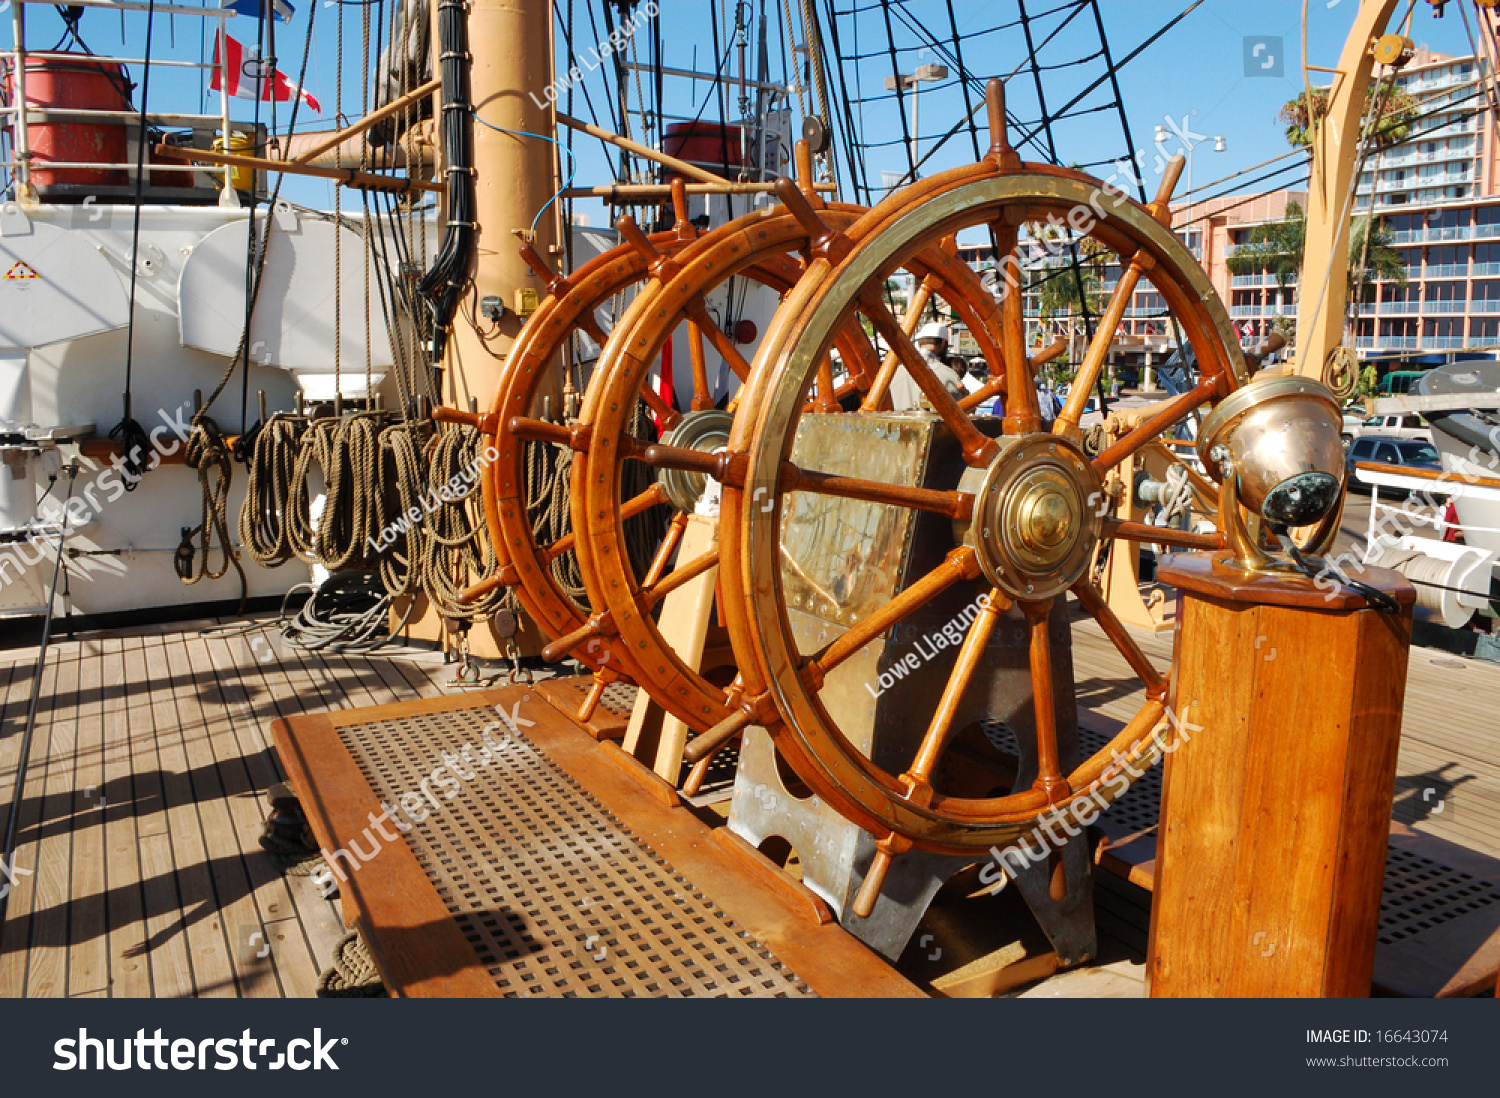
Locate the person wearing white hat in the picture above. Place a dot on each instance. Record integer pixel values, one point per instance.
(932, 340)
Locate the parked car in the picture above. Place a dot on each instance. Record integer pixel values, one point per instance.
(1405, 425)
(1399, 382)
(1407, 452)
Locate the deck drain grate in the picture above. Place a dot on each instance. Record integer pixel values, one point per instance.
(1420, 894)
(557, 897)
(1135, 811)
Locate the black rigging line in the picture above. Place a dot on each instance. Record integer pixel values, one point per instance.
(1127, 59)
(1073, 261)
(969, 120)
(846, 122)
(1114, 83)
(896, 78)
(614, 120)
(128, 433)
(1030, 135)
(969, 105)
(621, 112)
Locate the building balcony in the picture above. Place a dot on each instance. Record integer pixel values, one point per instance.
(1249, 280)
(1484, 307)
(1445, 307)
(1481, 341)
(1247, 310)
(1445, 270)
(1439, 343)
(1449, 232)
(1478, 269)
(1399, 308)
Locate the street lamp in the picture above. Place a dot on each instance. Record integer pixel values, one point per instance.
(912, 83)
(1220, 145)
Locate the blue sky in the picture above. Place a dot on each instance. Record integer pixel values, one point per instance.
(1196, 74)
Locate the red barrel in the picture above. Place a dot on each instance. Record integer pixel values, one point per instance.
(75, 81)
(709, 145)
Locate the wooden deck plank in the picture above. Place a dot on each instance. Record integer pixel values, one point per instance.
(223, 848)
(247, 768)
(130, 971)
(211, 972)
(15, 689)
(165, 948)
(20, 930)
(51, 839)
(199, 915)
(397, 685)
(88, 951)
(422, 668)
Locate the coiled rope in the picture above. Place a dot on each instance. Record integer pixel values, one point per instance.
(266, 517)
(208, 453)
(316, 447)
(353, 514)
(403, 469)
(459, 549)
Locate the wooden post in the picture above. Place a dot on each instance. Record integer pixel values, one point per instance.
(654, 736)
(1285, 721)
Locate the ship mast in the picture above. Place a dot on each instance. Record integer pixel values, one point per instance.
(510, 46)
(510, 72)
(1322, 299)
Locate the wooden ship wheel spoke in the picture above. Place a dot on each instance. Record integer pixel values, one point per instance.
(697, 691)
(1026, 514)
(529, 415)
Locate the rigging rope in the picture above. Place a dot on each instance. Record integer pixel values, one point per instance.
(128, 433)
(206, 449)
(266, 517)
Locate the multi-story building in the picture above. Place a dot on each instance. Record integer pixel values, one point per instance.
(1438, 194)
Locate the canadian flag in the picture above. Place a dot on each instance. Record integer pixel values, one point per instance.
(244, 74)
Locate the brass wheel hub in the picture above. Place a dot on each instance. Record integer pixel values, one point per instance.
(705, 431)
(1037, 516)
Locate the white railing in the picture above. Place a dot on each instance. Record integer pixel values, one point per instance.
(24, 115)
(1394, 343)
(1397, 308)
(1484, 306)
(1446, 306)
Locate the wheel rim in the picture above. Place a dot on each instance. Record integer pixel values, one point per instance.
(807, 736)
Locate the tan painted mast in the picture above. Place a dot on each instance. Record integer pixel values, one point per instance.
(511, 44)
(1322, 302)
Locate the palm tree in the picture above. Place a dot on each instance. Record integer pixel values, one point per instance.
(1392, 127)
(1062, 293)
(1275, 248)
(1371, 256)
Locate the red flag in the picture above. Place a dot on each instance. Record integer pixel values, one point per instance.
(245, 76)
(666, 385)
